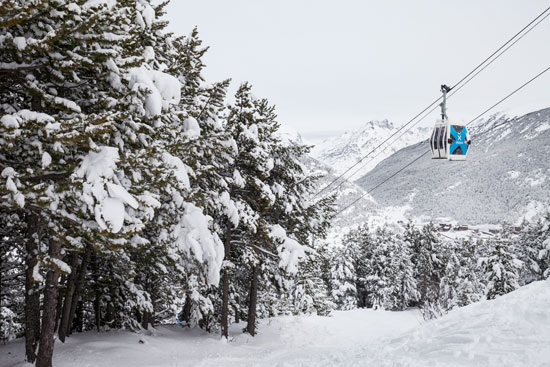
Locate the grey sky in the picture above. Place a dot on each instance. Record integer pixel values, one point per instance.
(330, 66)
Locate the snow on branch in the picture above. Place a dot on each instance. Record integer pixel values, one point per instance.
(98, 170)
(194, 237)
(290, 251)
(164, 89)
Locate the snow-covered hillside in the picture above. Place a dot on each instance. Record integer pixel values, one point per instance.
(513, 330)
(343, 151)
(365, 209)
(504, 179)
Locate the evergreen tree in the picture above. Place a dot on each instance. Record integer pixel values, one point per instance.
(533, 249)
(501, 269)
(343, 275)
(469, 289)
(380, 288)
(429, 265)
(12, 281)
(406, 292)
(361, 243)
(544, 238)
(451, 279)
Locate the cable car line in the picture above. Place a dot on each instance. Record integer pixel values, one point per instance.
(365, 156)
(500, 54)
(429, 150)
(501, 47)
(512, 41)
(435, 107)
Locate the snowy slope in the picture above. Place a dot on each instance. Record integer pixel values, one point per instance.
(345, 191)
(513, 330)
(506, 177)
(282, 341)
(343, 151)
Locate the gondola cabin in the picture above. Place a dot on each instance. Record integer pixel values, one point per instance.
(449, 141)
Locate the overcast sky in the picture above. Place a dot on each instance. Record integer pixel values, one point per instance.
(330, 66)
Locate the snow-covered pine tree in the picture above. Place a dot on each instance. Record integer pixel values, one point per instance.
(360, 244)
(211, 147)
(527, 246)
(533, 249)
(405, 286)
(544, 238)
(310, 294)
(270, 189)
(413, 236)
(429, 268)
(384, 276)
(304, 220)
(501, 268)
(343, 276)
(12, 279)
(191, 133)
(451, 278)
(251, 126)
(460, 285)
(48, 121)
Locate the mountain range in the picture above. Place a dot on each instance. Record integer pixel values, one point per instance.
(504, 180)
(342, 152)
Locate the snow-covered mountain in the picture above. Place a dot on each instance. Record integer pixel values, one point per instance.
(506, 176)
(288, 135)
(343, 151)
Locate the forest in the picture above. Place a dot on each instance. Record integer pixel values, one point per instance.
(136, 193)
(131, 191)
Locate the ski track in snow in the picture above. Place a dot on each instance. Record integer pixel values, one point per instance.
(513, 330)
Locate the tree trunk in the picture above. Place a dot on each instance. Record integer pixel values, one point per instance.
(225, 286)
(109, 319)
(71, 280)
(237, 315)
(145, 320)
(45, 350)
(251, 325)
(78, 321)
(186, 310)
(60, 297)
(403, 303)
(32, 291)
(97, 294)
(78, 286)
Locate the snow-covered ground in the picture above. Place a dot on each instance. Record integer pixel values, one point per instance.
(513, 330)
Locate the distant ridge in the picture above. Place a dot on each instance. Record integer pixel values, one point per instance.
(343, 151)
